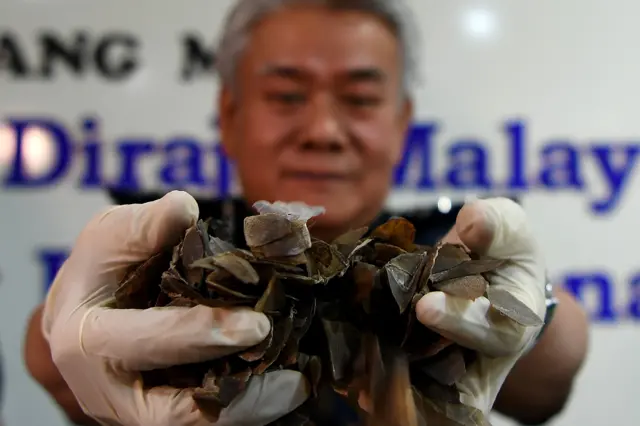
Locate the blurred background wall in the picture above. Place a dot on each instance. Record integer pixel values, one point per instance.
(545, 93)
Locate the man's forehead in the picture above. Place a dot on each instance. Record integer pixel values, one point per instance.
(293, 42)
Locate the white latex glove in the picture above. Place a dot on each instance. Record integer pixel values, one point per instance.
(497, 228)
(98, 350)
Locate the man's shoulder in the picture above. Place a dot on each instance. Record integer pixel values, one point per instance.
(431, 223)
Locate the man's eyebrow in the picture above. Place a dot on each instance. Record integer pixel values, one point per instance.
(284, 71)
(355, 75)
(365, 75)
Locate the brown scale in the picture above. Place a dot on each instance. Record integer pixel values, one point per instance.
(343, 314)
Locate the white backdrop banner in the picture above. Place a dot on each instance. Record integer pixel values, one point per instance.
(532, 99)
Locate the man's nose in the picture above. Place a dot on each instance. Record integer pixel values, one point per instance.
(324, 127)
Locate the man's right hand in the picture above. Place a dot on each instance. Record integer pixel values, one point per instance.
(99, 350)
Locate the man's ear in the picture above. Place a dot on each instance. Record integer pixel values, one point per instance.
(405, 114)
(227, 116)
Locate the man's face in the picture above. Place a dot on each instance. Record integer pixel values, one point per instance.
(317, 113)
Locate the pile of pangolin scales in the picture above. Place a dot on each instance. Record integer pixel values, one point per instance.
(342, 313)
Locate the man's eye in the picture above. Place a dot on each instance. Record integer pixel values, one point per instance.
(362, 101)
(290, 98)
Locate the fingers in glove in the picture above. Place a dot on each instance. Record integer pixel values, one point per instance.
(110, 244)
(160, 406)
(138, 340)
(267, 398)
(471, 324)
(127, 235)
(499, 228)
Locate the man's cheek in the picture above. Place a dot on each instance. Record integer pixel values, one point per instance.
(257, 151)
(395, 150)
(387, 156)
(264, 129)
(379, 144)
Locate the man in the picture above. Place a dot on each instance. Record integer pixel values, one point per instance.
(315, 104)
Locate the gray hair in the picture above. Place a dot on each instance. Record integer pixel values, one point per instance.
(247, 13)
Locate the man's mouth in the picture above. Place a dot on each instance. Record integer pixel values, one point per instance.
(316, 176)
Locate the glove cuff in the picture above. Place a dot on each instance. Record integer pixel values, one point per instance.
(551, 302)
